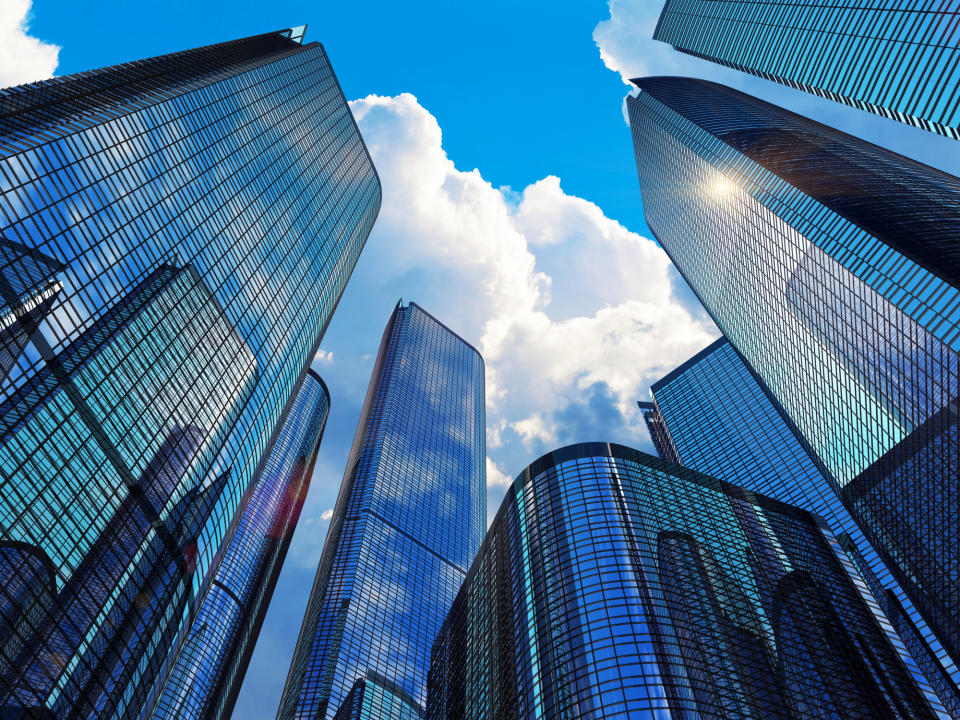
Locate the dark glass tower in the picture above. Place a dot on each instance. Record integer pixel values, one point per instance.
(659, 434)
(615, 584)
(174, 236)
(829, 264)
(897, 59)
(208, 673)
(407, 524)
(716, 418)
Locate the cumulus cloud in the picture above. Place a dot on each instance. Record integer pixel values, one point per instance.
(323, 357)
(496, 478)
(574, 314)
(626, 44)
(23, 58)
(326, 515)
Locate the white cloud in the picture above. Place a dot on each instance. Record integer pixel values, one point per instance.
(534, 430)
(626, 44)
(324, 357)
(310, 535)
(568, 307)
(496, 478)
(23, 58)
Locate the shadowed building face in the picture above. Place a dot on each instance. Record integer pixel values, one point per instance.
(713, 414)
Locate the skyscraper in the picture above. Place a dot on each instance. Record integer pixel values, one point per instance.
(897, 59)
(174, 235)
(659, 434)
(715, 417)
(408, 521)
(829, 263)
(615, 584)
(209, 670)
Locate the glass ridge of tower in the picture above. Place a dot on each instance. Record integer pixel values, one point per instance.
(899, 60)
(175, 234)
(408, 521)
(612, 583)
(209, 670)
(796, 238)
(716, 418)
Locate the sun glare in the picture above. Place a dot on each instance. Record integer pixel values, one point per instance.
(722, 187)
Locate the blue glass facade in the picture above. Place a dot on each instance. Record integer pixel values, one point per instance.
(804, 252)
(376, 698)
(408, 521)
(614, 584)
(174, 236)
(720, 422)
(208, 672)
(897, 58)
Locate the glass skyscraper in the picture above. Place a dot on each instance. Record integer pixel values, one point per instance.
(174, 236)
(715, 417)
(614, 584)
(831, 265)
(898, 59)
(209, 670)
(659, 434)
(408, 522)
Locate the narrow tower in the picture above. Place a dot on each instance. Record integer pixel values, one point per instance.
(206, 678)
(407, 524)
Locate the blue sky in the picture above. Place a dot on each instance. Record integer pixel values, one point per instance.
(511, 210)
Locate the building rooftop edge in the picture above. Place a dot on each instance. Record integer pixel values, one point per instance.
(445, 327)
(801, 118)
(688, 363)
(316, 376)
(585, 450)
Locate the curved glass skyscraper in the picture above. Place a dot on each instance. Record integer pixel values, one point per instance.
(897, 58)
(209, 670)
(174, 236)
(407, 524)
(615, 584)
(831, 265)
